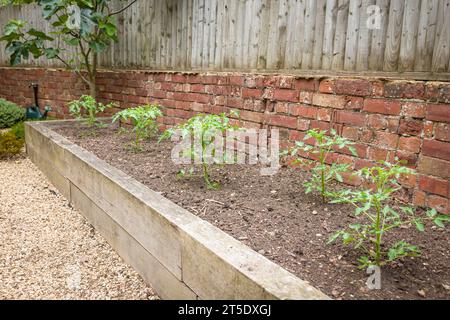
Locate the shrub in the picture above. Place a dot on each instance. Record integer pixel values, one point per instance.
(19, 130)
(143, 119)
(86, 108)
(379, 217)
(205, 127)
(9, 145)
(10, 114)
(321, 172)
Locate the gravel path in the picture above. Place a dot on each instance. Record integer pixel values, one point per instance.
(49, 251)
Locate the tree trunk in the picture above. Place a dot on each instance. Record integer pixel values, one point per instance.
(93, 87)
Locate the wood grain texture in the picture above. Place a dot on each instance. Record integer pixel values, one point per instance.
(289, 35)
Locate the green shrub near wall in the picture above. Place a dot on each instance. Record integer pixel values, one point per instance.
(10, 114)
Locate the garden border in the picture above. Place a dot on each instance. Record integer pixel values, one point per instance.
(180, 255)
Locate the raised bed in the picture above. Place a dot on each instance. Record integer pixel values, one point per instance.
(180, 255)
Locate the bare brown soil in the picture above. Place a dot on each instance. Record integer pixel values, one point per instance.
(273, 216)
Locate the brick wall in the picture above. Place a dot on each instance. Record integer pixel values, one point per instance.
(387, 119)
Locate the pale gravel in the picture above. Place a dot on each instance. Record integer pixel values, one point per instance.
(49, 251)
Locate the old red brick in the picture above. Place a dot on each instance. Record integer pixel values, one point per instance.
(442, 132)
(439, 203)
(434, 185)
(410, 158)
(251, 93)
(436, 149)
(323, 114)
(438, 92)
(411, 144)
(377, 121)
(383, 106)
(286, 95)
(349, 117)
(414, 110)
(306, 84)
(351, 133)
(303, 111)
(419, 198)
(404, 90)
(377, 154)
(410, 127)
(281, 121)
(438, 112)
(354, 87)
(436, 167)
(330, 101)
(327, 86)
(386, 140)
(303, 124)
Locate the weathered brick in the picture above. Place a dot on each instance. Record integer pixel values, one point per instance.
(306, 84)
(386, 140)
(303, 124)
(382, 106)
(349, 117)
(434, 185)
(377, 121)
(436, 149)
(410, 127)
(377, 154)
(306, 97)
(404, 90)
(438, 92)
(251, 93)
(442, 132)
(435, 167)
(438, 112)
(439, 203)
(411, 144)
(286, 95)
(414, 110)
(353, 87)
(330, 101)
(323, 114)
(327, 86)
(303, 111)
(281, 121)
(351, 133)
(419, 198)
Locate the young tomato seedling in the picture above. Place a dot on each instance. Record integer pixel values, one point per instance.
(379, 218)
(86, 108)
(143, 119)
(204, 128)
(321, 172)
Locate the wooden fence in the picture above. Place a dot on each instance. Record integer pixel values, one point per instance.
(394, 36)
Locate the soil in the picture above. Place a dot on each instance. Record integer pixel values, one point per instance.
(273, 216)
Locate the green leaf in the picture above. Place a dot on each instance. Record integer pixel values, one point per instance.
(419, 225)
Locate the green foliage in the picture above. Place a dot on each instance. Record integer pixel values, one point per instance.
(321, 172)
(9, 145)
(143, 119)
(19, 130)
(88, 25)
(205, 127)
(10, 114)
(87, 109)
(379, 217)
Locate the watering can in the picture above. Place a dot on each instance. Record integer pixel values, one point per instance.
(34, 112)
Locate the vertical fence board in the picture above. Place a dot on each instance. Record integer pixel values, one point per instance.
(318, 35)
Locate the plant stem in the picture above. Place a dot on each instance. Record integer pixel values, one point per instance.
(378, 235)
(322, 161)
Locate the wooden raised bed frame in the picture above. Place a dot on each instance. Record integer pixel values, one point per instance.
(180, 255)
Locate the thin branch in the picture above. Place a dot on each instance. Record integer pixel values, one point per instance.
(123, 9)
